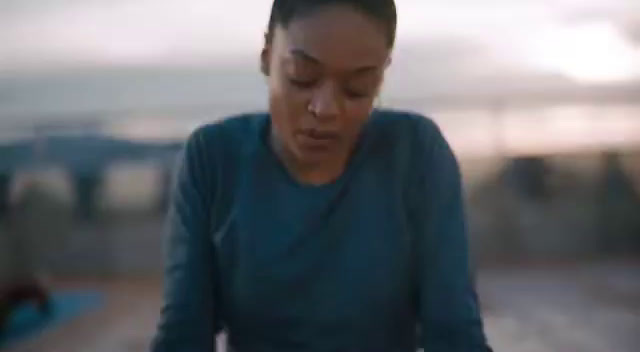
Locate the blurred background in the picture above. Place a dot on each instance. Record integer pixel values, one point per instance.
(539, 98)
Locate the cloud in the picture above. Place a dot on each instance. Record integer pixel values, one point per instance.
(442, 46)
(458, 66)
(630, 27)
(450, 57)
(130, 32)
(623, 14)
(633, 32)
(17, 7)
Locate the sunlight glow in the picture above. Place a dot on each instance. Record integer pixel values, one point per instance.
(588, 53)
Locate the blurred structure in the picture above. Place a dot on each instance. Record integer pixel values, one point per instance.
(5, 182)
(528, 177)
(556, 208)
(84, 159)
(529, 207)
(619, 208)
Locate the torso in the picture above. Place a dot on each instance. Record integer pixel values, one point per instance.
(314, 268)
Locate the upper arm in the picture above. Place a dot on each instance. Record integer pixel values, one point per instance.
(187, 317)
(448, 308)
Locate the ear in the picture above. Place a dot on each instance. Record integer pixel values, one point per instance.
(265, 58)
(264, 61)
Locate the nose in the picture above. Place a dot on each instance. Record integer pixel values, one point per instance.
(325, 102)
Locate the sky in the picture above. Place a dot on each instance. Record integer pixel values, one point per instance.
(85, 59)
(588, 41)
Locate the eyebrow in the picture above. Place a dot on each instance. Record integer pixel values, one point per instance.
(304, 55)
(308, 57)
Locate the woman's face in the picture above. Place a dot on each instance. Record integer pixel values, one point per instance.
(324, 72)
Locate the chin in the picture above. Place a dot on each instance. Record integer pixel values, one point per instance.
(314, 156)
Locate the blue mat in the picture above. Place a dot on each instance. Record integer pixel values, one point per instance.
(26, 322)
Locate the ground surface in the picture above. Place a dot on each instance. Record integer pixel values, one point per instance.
(588, 308)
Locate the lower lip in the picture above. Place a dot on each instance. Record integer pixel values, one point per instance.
(315, 144)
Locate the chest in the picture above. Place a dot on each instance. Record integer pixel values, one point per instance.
(337, 256)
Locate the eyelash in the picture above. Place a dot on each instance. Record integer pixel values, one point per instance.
(356, 95)
(310, 84)
(302, 84)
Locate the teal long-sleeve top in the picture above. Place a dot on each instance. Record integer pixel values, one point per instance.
(352, 265)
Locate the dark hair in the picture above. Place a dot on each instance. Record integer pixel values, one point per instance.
(284, 11)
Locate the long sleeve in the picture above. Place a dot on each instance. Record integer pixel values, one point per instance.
(187, 316)
(448, 309)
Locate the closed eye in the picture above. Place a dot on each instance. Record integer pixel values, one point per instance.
(354, 94)
(303, 84)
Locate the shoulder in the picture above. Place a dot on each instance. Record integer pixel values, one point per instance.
(223, 141)
(229, 129)
(405, 129)
(229, 135)
(418, 140)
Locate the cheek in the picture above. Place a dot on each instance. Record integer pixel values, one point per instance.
(284, 97)
(286, 107)
(357, 113)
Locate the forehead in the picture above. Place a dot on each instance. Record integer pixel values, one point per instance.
(337, 36)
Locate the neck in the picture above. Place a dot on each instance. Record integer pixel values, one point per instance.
(318, 173)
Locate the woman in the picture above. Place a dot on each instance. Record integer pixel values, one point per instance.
(324, 225)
